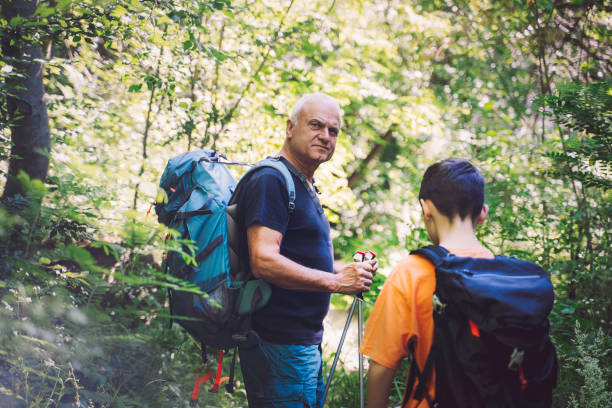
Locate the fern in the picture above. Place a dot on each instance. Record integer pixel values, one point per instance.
(591, 353)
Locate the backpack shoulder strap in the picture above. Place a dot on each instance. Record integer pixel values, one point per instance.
(434, 253)
(280, 166)
(424, 377)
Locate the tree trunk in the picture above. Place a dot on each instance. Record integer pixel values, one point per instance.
(29, 123)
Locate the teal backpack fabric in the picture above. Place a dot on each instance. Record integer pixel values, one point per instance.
(197, 204)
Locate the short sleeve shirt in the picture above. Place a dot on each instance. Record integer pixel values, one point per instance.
(403, 312)
(290, 317)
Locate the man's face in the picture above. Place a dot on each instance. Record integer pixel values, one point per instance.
(314, 136)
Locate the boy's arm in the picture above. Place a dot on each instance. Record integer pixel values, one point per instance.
(379, 385)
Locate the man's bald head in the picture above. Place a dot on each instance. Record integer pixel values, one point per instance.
(299, 105)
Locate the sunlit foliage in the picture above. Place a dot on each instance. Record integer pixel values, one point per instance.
(129, 84)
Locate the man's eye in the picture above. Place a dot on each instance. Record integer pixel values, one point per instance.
(316, 125)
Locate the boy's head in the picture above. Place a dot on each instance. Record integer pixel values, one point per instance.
(455, 187)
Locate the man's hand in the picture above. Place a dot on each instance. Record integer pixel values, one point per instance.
(356, 277)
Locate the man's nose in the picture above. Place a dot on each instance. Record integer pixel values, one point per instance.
(324, 135)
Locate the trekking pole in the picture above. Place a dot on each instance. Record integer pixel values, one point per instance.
(357, 257)
(333, 367)
(360, 257)
(359, 337)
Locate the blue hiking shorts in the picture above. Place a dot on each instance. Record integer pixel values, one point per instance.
(294, 377)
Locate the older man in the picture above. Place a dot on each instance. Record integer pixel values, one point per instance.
(293, 252)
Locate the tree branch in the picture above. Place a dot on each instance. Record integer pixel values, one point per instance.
(145, 135)
(379, 145)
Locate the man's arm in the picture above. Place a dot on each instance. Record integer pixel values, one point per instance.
(379, 383)
(268, 263)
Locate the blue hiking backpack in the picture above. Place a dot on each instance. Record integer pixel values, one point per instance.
(198, 203)
(491, 346)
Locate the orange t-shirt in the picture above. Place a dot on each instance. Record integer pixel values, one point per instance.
(403, 312)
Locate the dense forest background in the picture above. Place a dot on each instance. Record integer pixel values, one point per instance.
(97, 95)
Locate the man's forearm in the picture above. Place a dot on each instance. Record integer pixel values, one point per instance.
(288, 274)
(379, 383)
(268, 263)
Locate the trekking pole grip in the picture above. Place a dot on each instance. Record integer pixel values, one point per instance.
(361, 256)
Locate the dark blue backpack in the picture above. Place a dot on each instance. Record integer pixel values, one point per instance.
(491, 345)
(196, 201)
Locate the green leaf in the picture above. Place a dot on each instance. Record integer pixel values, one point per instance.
(15, 21)
(44, 261)
(489, 106)
(164, 20)
(64, 4)
(119, 12)
(80, 256)
(44, 11)
(135, 88)
(218, 54)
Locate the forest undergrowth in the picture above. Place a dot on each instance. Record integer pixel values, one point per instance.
(96, 96)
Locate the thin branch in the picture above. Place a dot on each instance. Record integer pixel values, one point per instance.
(271, 43)
(145, 135)
(216, 81)
(192, 96)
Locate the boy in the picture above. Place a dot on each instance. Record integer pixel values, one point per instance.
(452, 200)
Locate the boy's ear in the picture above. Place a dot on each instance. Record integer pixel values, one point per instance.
(426, 207)
(483, 214)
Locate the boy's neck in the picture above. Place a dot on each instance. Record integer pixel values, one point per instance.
(457, 233)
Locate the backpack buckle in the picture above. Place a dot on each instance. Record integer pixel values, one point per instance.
(438, 306)
(239, 338)
(516, 359)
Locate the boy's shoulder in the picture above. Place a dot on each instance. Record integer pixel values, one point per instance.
(412, 271)
(416, 271)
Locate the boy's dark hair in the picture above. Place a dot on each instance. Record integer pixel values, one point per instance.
(455, 186)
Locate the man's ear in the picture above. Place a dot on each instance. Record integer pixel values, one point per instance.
(426, 207)
(483, 214)
(289, 128)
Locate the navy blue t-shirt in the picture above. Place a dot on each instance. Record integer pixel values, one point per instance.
(290, 317)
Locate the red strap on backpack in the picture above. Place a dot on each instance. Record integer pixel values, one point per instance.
(218, 378)
(522, 379)
(198, 382)
(474, 329)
